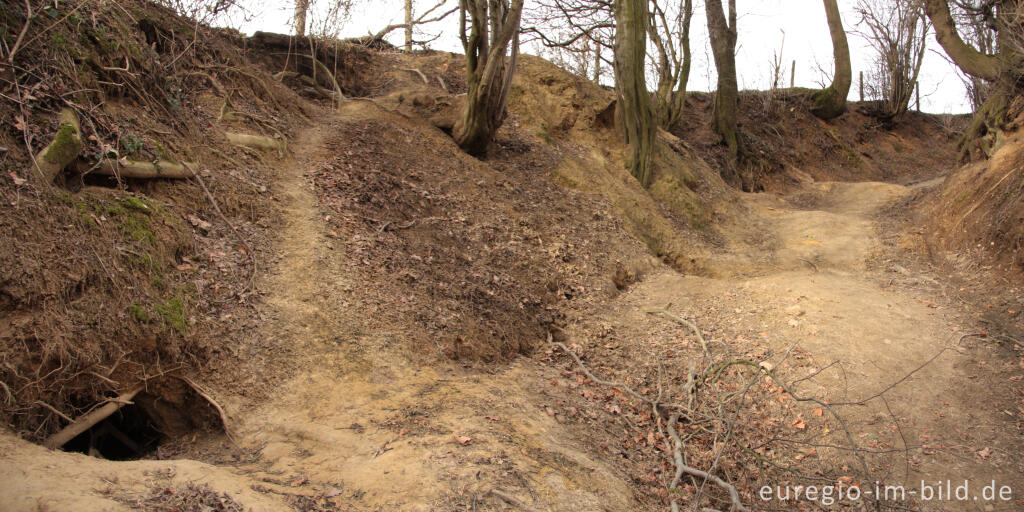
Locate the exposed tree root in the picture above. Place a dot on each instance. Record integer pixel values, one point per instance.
(9, 398)
(55, 410)
(418, 72)
(314, 87)
(508, 498)
(979, 139)
(66, 145)
(213, 403)
(257, 141)
(334, 82)
(125, 168)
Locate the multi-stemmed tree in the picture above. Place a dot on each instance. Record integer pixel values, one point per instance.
(633, 109)
(896, 29)
(670, 33)
(493, 26)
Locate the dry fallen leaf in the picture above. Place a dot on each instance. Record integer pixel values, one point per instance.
(463, 440)
(984, 453)
(810, 453)
(299, 480)
(818, 412)
(799, 424)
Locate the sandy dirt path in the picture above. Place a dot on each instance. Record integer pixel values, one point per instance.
(831, 292)
(371, 429)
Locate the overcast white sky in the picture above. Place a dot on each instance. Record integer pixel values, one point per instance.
(761, 25)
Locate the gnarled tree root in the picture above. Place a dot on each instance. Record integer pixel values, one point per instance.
(980, 137)
(314, 88)
(143, 170)
(66, 145)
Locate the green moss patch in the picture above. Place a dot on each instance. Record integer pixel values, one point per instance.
(172, 312)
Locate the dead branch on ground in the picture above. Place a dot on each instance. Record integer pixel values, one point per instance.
(90, 419)
(715, 411)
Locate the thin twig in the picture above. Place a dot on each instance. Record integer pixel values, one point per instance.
(809, 262)
(617, 385)
(7, 390)
(47, 29)
(101, 377)
(899, 429)
(672, 316)
(21, 35)
(55, 411)
(216, 207)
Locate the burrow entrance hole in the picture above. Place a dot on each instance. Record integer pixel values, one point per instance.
(136, 430)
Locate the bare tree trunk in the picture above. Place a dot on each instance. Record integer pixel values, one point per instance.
(408, 25)
(723, 47)
(968, 59)
(597, 63)
(493, 25)
(684, 69)
(1002, 70)
(831, 102)
(633, 108)
(301, 7)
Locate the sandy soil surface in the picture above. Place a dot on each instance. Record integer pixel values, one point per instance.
(365, 427)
